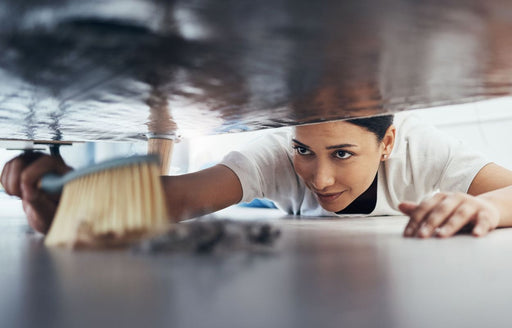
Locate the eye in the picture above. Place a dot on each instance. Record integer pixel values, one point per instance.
(341, 154)
(301, 150)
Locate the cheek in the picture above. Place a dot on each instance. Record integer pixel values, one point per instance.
(357, 175)
(363, 174)
(349, 175)
(301, 167)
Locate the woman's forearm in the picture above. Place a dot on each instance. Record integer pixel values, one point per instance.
(194, 194)
(502, 200)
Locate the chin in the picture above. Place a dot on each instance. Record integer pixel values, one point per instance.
(333, 207)
(337, 206)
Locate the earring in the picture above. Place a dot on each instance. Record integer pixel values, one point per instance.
(384, 156)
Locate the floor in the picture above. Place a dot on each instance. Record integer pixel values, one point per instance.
(357, 272)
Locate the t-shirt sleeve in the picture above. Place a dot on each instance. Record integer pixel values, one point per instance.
(264, 168)
(442, 162)
(461, 168)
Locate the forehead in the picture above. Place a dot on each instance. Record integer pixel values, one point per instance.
(338, 130)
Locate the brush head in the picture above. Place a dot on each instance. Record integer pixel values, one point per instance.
(54, 183)
(111, 204)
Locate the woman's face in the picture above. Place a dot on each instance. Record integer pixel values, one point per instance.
(337, 160)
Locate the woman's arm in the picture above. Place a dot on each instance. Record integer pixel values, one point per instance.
(486, 206)
(201, 192)
(187, 195)
(494, 184)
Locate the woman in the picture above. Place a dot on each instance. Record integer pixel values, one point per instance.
(365, 166)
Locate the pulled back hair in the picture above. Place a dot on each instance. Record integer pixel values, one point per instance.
(375, 124)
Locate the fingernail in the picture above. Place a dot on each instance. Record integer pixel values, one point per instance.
(409, 231)
(478, 230)
(424, 231)
(442, 231)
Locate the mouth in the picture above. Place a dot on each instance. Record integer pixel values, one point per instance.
(329, 197)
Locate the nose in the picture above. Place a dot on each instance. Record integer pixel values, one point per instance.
(323, 176)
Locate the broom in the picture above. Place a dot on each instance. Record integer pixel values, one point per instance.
(108, 204)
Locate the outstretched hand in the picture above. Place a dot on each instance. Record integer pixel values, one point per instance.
(444, 214)
(20, 177)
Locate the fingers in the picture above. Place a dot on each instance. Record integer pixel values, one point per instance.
(464, 214)
(40, 207)
(31, 175)
(419, 214)
(4, 178)
(481, 228)
(21, 176)
(485, 222)
(445, 214)
(448, 208)
(11, 172)
(10, 176)
(407, 207)
(40, 213)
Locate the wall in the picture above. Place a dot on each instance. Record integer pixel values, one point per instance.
(486, 126)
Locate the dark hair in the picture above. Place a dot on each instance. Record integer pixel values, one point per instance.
(376, 124)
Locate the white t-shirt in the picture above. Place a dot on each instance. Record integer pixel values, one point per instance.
(424, 160)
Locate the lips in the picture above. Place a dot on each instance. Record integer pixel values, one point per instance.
(328, 197)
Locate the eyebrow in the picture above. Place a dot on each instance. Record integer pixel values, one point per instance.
(300, 143)
(346, 145)
(340, 146)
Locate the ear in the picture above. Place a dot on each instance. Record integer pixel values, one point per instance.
(388, 141)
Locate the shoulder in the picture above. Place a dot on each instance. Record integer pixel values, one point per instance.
(432, 159)
(277, 140)
(264, 166)
(268, 150)
(422, 142)
(410, 126)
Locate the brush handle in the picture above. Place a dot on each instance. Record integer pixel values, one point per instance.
(53, 183)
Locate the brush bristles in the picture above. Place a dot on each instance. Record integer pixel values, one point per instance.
(110, 208)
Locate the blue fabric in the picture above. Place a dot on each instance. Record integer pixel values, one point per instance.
(259, 203)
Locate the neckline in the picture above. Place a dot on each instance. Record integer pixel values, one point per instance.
(365, 203)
